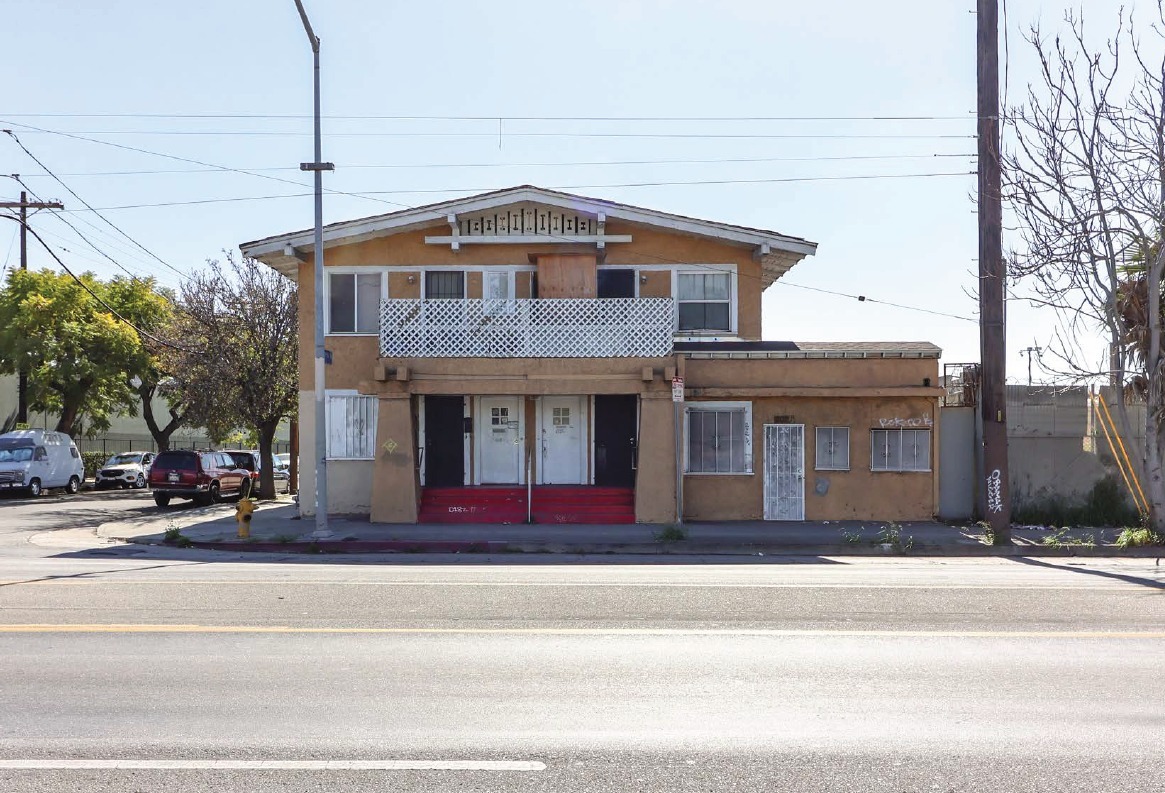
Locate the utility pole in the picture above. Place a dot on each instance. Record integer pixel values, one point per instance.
(24, 205)
(1029, 351)
(992, 315)
(317, 168)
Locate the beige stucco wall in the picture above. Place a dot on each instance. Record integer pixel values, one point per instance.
(349, 481)
(858, 494)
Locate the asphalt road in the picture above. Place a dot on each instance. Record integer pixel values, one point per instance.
(611, 674)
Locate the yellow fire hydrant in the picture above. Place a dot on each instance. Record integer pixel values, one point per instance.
(243, 516)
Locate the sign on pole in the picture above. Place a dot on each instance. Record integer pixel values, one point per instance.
(677, 389)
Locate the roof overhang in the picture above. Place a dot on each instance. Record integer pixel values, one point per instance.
(776, 252)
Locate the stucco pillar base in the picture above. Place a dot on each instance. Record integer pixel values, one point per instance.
(394, 475)
(655, 480)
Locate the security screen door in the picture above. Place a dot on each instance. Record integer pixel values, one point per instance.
(784, 472)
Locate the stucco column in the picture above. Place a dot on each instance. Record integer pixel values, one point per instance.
(655, 480)
(394, 474)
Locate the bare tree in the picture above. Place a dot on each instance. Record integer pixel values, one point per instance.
(1086, 181)
(239, 322)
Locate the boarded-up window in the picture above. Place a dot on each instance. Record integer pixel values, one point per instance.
(351, 427)
(900, 450)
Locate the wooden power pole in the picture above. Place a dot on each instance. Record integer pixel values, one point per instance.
(992, 314)
(24, 205)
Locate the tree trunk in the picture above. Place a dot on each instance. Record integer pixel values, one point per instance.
(266, 467)
(1154, 417)
(161, 434)
(68, 420)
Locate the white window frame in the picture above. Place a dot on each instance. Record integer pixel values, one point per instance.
(509, 307)
(817, 466)
(330, 271)
(710, 407)
(730, 271)
(877, 465)
(369, 443)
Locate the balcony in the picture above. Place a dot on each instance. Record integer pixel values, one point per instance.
(542, 328)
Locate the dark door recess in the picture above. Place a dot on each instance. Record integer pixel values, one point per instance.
(616, 283)
(444, 442)
(616, 436)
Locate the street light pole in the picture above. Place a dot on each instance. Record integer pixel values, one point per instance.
(317, 167)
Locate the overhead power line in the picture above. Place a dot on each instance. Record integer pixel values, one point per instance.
(109, 222)
(339, 117)
(564, 164)
(496, 134)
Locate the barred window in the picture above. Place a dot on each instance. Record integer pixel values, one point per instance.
(832, 449)
(899, 450)
(719, 438)
(351, 420)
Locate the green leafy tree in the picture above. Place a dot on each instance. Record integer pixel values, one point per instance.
(77, 353)
(238, 368)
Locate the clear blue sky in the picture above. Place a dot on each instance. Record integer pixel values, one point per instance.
(141, 69)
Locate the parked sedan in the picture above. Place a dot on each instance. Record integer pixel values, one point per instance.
(204, 477)
(125, 470)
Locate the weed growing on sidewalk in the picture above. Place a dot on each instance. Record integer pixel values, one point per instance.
(672, 533)
(1138, 538)
(284, 539)
(892, 536)
(174, 536)
(1061, 539)
(851, 537)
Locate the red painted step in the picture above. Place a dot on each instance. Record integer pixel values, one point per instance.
(551, 504)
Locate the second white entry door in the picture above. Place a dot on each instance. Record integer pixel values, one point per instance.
(563, 441)
(499, 441)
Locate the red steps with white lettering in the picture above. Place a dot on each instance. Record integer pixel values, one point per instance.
(552, 504)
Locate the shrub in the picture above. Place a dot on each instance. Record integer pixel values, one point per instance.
(1105, 505)
(1137, 538)
(93, 462)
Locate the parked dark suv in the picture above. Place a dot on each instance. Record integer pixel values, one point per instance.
(204, 477)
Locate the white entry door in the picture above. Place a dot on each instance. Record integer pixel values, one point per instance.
(499, 441)
(784, 472)
(563, 441)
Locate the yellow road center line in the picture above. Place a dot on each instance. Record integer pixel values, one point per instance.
(763, 632)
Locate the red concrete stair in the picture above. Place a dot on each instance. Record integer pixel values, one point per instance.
(552, 504)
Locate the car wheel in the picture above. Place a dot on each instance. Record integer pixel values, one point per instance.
(161, 499)
(140, 482)
(212, 495)
(74, 486)
(34, 488)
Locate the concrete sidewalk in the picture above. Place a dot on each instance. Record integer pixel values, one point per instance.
(276, 526)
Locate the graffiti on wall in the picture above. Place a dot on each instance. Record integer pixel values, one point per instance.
(995, 491)
(921, 421)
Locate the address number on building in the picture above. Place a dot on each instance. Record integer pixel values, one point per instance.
(677, 389)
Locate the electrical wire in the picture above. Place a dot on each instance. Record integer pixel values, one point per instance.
(373, 193)
(109, 308)
(296, 116)
(632, 135)
(431, 166)
(109, 222)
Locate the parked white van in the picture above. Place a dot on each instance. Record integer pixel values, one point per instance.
(35, 460)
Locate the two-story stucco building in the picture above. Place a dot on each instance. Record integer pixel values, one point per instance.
(520, 353)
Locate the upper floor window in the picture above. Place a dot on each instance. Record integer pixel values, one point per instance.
(704, 301)
(444, 285)
(354, 302)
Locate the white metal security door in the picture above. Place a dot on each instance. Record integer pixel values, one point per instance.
(784, 472)
(499, 441)
(563, 447)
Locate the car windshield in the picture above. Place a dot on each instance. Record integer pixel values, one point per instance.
(282, 460)
(21, 454)
(124, 459)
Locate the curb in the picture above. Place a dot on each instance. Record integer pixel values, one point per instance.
(658, 549)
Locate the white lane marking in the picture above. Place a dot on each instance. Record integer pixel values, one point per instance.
(590, 584)
(761, 632)
(277, 765)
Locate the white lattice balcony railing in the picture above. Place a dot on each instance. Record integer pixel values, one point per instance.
(542, 328)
